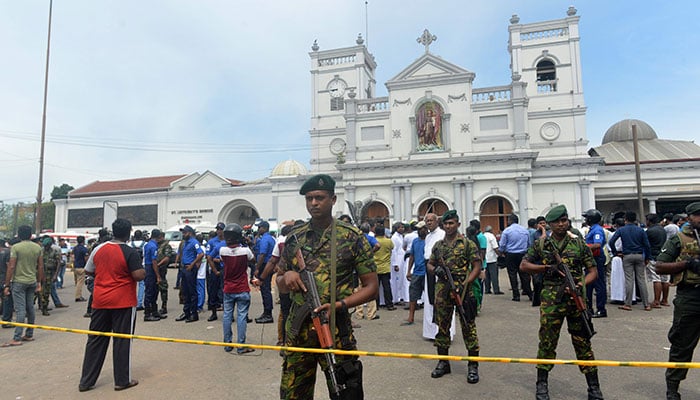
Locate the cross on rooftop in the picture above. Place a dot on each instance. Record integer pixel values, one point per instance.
(426, 39)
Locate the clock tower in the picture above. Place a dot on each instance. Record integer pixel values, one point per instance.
(336, 76)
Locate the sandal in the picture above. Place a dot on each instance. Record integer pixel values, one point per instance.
(665, 304)
(27, 339)
(655, 305)
(626, 308)
(12, 343)
(647, 308)
(245, 351)
(133, 383)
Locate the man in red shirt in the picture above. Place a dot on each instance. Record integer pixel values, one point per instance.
(236, 290)
(116, 268)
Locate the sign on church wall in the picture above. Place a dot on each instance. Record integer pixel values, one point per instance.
(372, 133)
(493, 122)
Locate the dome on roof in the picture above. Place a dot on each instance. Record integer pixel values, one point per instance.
(289, 168)
(622, 131)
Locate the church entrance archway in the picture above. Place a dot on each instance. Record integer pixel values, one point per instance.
(495, 212)
(240, 212)
(376, 211)
(435, 206)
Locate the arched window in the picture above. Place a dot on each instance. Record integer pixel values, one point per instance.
(546, 77)
(435, 206)
(375, 211)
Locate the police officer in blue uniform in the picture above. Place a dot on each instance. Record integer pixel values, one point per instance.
(595, 240)
(214, 279)
(192, 254)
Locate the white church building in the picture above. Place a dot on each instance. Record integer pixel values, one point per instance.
(436, 142)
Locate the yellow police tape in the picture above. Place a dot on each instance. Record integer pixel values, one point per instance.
(599, 363)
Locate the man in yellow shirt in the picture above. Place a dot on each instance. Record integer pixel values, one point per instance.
(382, 258)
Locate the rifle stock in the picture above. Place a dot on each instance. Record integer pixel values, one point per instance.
(575, 295)
(321, 324)
(464, 315)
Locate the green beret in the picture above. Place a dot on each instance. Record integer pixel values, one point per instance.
(451, 214)
(693, 208)
(556, 213)
(318, 182)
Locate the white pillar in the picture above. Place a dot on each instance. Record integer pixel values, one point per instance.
(397, 202)
(407, 204)
(522, 198)
(652, 206)
(585, 187)
(469, 200)
(457, 202)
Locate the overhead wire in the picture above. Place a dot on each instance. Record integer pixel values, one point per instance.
(159, 147)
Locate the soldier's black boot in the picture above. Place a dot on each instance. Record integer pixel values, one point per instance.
(148, 315)
(672, 390)
(542, 391)
(594, 392)
(157, 314)
(164, 309)
(443, 366)
(213, 316)
(473, 368)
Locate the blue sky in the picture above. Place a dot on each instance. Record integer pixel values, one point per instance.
(168, 87)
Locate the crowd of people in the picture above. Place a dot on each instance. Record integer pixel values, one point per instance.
(426, 264)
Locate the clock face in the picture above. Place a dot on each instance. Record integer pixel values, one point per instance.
(337, 88)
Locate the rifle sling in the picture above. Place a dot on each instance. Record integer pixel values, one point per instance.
(333, 288)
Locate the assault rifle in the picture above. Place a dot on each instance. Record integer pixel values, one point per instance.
(576, 295)
(466, 315)
(320, 320)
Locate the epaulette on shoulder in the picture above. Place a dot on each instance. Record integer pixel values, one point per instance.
(345, 225)
(297, 229)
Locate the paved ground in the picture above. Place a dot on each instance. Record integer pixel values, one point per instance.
(49, 368)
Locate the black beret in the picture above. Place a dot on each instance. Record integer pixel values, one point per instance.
(693, 208)
(556, 213)
(318, 182)
(451, 214)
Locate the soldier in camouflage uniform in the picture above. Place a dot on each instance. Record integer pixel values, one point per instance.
(461, 256)
(557, 304)
(680, 256)
(52, 262)
(164, 257)
(353, 255)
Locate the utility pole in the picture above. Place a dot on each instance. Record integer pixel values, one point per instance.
(638, 173)
(37, 209)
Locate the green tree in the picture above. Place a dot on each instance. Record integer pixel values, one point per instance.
(60, 192)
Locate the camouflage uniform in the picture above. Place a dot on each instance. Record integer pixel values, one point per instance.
(683, 334)
(164, 250)
(353, 255)
(458, 257)
(52, 261)
(556, 303)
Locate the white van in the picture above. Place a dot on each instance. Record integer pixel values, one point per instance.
(174, 235)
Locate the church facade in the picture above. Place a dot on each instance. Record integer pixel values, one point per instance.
(437, 141)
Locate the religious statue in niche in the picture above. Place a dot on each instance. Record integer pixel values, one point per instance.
(429, 126)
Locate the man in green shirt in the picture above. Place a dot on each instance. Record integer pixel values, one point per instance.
(24, 276)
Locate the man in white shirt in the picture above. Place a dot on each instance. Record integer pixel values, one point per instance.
(435, 233)
(491, 266)
(399, 287)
